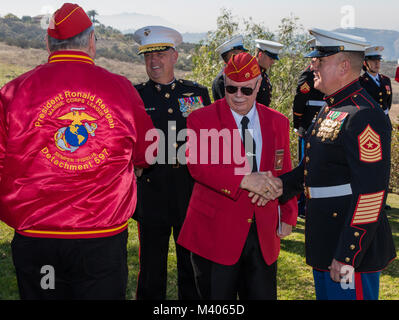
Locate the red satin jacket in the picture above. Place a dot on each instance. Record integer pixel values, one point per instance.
(70, 135)
(220, 213)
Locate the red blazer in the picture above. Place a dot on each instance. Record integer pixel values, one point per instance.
(219, 213)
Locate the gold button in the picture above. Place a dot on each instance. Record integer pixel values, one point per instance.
(308, 145)
(347, 259)
(352, 247)
(249, 220)
(307, 159)
(173, 128)
(173, 86)
(356, 234)
(380, 100)
(355, 96)
(148, 180)
(331, 100)
(167, 95)
(380, 93)
(305, 172)
(335, 215)
(175, 144)
(170, 110)
(313, 132)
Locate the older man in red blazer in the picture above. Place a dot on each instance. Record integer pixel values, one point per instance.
(232, 227)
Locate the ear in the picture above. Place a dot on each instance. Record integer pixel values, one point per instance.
(175, 56)
(92, 45)
(258, 86)
(47, 46)
(345, 66)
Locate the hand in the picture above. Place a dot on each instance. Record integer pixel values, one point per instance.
(138, 172)
(339, 270)
(256, 198)
(286, 230)
(263, 184)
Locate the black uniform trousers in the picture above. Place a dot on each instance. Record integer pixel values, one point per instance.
(250, 277)
(69, 269)
(154, 248)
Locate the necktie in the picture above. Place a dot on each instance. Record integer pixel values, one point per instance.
(251, 154)
(377, 80)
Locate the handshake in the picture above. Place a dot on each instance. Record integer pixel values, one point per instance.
(262, 187)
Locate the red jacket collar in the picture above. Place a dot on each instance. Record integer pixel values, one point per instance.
(70, 56)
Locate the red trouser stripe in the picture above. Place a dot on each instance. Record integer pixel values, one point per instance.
(358, 286)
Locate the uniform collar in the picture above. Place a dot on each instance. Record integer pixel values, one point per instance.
(376, 78)
(343, 93)
(70, 56)
(159, 86)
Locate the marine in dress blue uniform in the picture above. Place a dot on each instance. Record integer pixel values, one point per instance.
(164, 189)
(266, 54)
(235, 45)
(377, 85)
(345, 176)
(307, 104)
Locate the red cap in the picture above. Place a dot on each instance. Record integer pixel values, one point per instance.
(242, 67)
(68, 21)
(397, 74)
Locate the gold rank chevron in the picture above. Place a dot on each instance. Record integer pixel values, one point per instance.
(368, 208)
(370, 146)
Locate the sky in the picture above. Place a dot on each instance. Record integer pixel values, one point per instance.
(200, 15)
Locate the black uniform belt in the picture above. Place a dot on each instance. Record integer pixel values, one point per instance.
(328, 192)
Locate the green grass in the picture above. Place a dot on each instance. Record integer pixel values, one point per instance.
(295, 281)
(9, 72)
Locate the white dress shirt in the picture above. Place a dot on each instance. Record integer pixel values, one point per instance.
(253, 128)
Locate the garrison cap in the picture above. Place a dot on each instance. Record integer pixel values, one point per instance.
(328, 43)
(68, 21)
(235, 43)
(374, 53)
(242, 67)
(271, 48)
(157, 38)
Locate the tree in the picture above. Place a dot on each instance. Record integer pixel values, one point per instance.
(92, 15)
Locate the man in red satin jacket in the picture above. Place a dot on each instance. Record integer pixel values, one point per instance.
(235, 239)
(71, 134)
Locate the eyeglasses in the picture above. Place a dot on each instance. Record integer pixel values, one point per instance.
(247, 91)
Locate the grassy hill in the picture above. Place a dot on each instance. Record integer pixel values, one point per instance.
(15, 61)
(27, 32)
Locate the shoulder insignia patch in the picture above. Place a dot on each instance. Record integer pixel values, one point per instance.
(305, 88)
(369, 146)
(368, 208)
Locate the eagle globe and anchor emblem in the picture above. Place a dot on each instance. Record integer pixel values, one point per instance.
(74, 136)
